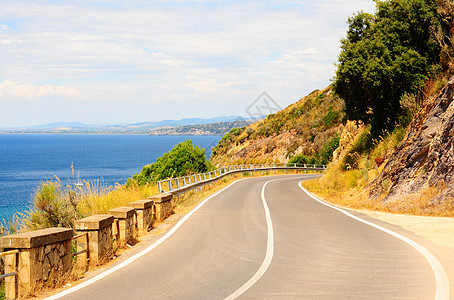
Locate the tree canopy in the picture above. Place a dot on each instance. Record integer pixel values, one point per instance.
(183, 159)
(385, 56)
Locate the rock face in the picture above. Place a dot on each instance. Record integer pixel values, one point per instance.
(425, 158)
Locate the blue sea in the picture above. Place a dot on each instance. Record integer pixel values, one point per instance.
(26, 160)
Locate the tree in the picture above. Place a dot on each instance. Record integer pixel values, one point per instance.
(183, 159)
(384, 57)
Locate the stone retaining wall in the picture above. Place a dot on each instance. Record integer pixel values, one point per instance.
(45, 256)
(163, 205)
(125, 217)
(144, 211)
(99, 229)
(44, 259)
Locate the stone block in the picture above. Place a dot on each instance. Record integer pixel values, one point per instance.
(122, 212)
(125, 217)
(99, 229)
(32, 239)
(44, 258)
(144, 210)
(94, 222)
(163, 205)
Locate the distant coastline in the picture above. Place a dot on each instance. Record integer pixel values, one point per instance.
(195, 127)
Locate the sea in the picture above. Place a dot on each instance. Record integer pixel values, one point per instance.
(26, 160)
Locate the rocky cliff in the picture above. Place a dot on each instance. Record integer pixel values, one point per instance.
(424, 161)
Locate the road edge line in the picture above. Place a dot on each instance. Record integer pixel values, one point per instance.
(143, 252)
(441, 278)
(269, 250)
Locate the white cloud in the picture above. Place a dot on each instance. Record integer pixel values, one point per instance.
(29, 91)
(140, 53)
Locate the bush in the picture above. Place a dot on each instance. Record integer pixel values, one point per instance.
(53, 206)
(302, 159)
(326, 154)
(183, 159)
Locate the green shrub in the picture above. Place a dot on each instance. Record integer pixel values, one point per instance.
(183, 159)
(302, 160)
(53, 206)
(330, 117)
(326, 153)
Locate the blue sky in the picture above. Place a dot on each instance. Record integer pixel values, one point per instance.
(133, 61)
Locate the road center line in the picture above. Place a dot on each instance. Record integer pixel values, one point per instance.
(269, 251)
(442, 291)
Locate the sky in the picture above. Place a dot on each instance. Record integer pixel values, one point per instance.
(110, 62)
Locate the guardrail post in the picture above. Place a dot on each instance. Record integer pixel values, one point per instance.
(159, 187)
(178, 182)
(170, 184)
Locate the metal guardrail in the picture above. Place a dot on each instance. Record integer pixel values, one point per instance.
(184, 184)
(79, 236)
(2, 276)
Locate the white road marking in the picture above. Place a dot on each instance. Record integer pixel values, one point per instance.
(442, 291)
(140, 254)
(269, 251)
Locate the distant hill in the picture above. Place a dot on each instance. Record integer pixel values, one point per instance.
(142, 127)
(219, 128)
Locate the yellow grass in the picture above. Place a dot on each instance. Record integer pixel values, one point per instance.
(97, 198)
(340, 192)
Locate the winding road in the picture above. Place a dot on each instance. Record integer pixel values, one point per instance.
(266, 238)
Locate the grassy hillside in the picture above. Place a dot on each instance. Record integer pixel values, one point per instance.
(303, 130)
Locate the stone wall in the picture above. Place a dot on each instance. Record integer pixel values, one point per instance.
(44, 259)
(163, 205)
(99, 229)
(144, 212)
(125, 217)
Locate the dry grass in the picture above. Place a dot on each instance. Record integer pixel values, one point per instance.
(98, 198)
(346, 187)
(420, 204)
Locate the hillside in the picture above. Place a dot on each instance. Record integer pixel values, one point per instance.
(304, 130)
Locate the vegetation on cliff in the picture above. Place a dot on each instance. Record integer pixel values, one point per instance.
(304, 131)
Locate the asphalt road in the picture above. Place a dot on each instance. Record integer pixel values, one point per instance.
(301, 250)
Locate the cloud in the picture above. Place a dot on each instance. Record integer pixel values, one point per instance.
(143, 56)
(29, 91)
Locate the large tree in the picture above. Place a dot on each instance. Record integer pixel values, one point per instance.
(385, 56)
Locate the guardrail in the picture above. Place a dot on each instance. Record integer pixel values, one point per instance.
(11, 252)
(184, 184)
(85, 234)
